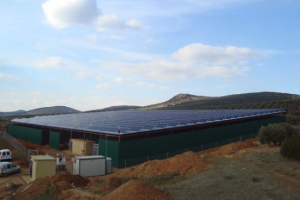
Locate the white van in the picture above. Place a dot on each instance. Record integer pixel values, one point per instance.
(5, 154)
(7, 168)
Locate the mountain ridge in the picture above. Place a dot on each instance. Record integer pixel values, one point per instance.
(52, 110)
(255, 100)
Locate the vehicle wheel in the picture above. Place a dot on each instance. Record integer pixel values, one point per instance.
(19, 170)
(5, 175)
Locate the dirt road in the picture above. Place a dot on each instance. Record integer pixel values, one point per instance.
(15, 178)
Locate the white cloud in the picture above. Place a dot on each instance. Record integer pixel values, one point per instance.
(57, 63)
(200, 53)
(51, 63)
(112, 22)
(5, 76)
(106, 86)
(192, 61)
(171, 70)
(122, 80)
(64, 13)
(84, 75)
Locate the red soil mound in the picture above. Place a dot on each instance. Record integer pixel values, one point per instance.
(185, 163)
(136, 190)
(57, 183)
(233, 148)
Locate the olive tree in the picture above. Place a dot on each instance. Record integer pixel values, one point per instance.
(274, 134)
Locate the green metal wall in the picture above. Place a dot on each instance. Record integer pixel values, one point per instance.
(154, 146)
(112, 149)
(54, 140)
(28, 134)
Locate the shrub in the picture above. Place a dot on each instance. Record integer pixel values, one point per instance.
(274, 134)
(296, 112)
(290, 147)
(293, 119)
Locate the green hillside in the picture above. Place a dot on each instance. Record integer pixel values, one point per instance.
(262, 100)
(115, 108)
(52, 111)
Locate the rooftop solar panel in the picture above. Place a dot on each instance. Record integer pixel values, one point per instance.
(140, 121)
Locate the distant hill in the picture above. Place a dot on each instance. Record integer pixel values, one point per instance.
(116, 108)
(42, 111)
(261, 100)
(176, 100)
(52, 110)
(19, 112)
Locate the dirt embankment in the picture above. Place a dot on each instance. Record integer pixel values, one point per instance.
(183, 164)
(131, 179)
(56, 184)
(236, 149)
(186, 163)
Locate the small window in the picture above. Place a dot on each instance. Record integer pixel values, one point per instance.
(13, 166)
(8, 153)
(4, 153)
(9, 166)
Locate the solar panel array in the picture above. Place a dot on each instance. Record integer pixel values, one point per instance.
(140, 121)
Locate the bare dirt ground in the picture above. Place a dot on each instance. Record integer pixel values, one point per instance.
(242, 170)
(259, 174)
(10, 183)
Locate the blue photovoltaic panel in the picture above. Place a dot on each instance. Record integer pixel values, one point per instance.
(140, 121)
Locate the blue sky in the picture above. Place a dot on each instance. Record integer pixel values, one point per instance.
(90, 54)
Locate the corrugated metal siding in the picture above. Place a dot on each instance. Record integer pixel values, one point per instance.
(28, 134)
(112, 150)
(54, 140)
(154, 146)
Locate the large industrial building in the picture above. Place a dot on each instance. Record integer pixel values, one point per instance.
(137, 136)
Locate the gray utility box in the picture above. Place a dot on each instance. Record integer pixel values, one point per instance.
(90, 166)
(108, 165)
